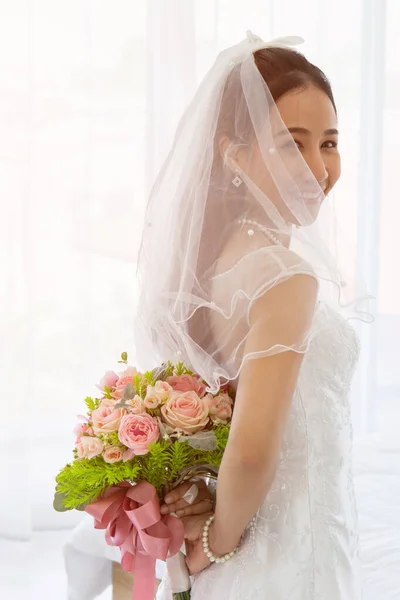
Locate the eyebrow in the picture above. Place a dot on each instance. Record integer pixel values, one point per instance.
(308, 132)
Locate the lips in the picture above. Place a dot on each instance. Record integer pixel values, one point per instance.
(312, 195)
(311, 198)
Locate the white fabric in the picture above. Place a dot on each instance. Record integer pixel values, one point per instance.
(377, 483)
(303, 544)
(75, 93)
(196, 225)
(84, 90)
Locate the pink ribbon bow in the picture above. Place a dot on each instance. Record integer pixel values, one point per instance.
(132, 519)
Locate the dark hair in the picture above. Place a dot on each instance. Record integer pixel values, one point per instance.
(285, 71)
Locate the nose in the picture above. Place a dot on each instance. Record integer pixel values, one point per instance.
(317, 166)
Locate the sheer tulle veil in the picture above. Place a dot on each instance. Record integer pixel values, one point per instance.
(268, 228)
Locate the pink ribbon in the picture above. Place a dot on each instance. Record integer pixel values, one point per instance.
(132, 519)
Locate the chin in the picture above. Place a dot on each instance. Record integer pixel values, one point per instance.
(308, 219)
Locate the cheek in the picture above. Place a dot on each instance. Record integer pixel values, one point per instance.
(261, 176)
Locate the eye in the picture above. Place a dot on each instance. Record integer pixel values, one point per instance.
(330, 145)
(290, 146)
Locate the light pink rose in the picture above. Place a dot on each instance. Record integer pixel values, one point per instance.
(125, 377)
(219, 407)
(137, 432)
(80, 429)
(109, 380)
(157, 394)
(136, 405)
(185, 412)
(112, 454)
(187, 383)
(106, 418)
(89, 447)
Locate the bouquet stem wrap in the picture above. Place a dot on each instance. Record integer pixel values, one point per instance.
(178, 575)
(132, 520)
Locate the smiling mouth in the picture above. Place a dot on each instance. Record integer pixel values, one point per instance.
(313, 196)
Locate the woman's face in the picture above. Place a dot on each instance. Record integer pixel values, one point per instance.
(312, 122)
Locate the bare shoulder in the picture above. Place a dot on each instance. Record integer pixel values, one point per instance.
(291, 298)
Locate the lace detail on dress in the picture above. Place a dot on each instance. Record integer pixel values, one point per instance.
(303, 542)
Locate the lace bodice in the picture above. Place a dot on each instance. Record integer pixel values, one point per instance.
(303, 542)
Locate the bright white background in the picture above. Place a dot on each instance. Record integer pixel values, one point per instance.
(90, 93)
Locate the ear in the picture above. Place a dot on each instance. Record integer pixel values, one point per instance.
(224, 144)
(232, 154)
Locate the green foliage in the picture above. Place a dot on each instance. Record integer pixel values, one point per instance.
(222, 434)
(124, 358)
(139, 386)
(180, 453)
(169, 369)
(181, 595)
(107, 392)
(149, 378)
(91, 403)
(112, 439)
(82, 481)
(181, 369)
(156, 465)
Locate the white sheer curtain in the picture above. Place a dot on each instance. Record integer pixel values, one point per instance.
(90, 93)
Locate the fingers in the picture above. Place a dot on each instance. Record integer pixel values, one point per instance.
(195, 509)
(175, 495)
(175, 500)
(183, 509)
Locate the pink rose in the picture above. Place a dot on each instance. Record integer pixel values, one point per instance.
(112, 454)
(187, 383)
(80, 429)
(136, 405)
(185, 412)
(156, 395)
(106, 418)
(125, 377)
(137, 432)
(108, 380)
(219, 407)
(89, 447)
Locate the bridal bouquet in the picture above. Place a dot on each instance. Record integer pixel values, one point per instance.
(146, 433)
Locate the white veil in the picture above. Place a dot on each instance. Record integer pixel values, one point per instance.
(215, 239)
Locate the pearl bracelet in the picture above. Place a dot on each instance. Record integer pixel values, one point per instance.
(206, 547)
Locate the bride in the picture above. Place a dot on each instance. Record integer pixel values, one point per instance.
(240, 280)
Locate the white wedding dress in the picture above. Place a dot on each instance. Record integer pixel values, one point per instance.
(303, 542)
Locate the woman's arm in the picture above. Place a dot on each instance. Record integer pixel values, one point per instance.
(265, 391)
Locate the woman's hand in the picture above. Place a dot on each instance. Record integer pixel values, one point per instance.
(175, 501)
(196, 559)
